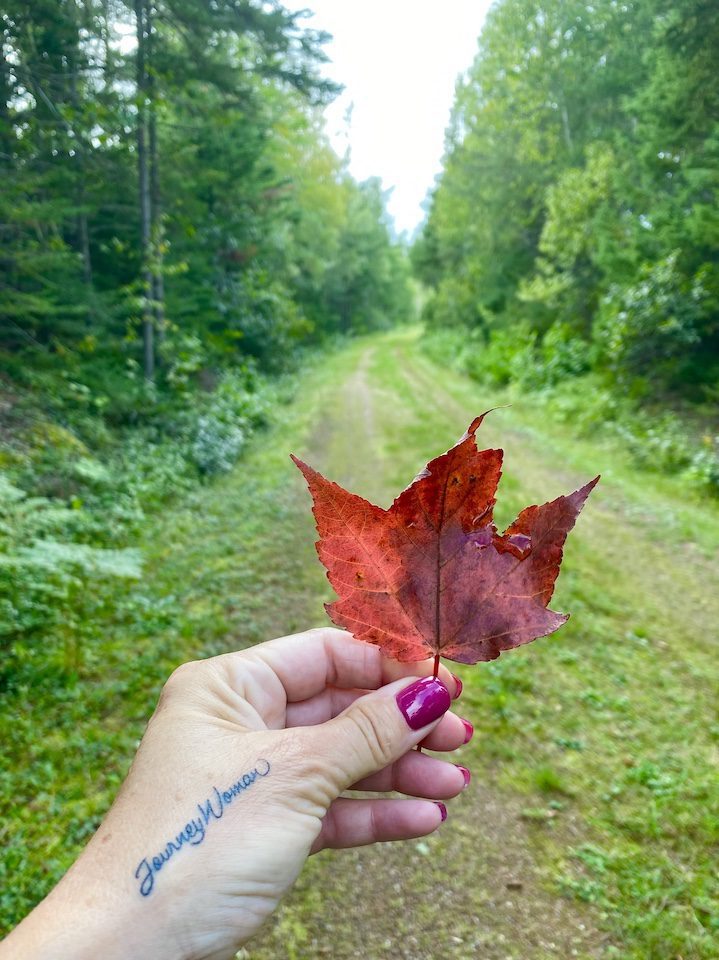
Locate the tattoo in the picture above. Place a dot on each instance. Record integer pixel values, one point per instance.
(194, 831)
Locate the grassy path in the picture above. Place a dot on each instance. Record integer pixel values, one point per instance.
(591, 829)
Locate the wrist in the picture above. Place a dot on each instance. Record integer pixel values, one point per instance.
(95, 912)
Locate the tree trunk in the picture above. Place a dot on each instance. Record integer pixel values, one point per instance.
(156, 226)
(108, 67)
(7, 134)
(83, 234)
(148, 326)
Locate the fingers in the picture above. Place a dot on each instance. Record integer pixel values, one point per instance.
(320, 708)
(354, 823)
(333, 700)
(418, 775)
(377, 729)
(451, 732)
(306, 663)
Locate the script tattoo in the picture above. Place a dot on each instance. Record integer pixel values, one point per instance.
(195, 830)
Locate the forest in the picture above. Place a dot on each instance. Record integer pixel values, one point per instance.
(193, 285)
(572, 239)
(176, 234)
(169, 195)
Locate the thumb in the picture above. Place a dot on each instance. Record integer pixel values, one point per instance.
(381, 726)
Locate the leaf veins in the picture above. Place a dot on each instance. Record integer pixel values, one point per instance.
(431, 575)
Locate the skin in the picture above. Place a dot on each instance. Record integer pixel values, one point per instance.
(320, 708)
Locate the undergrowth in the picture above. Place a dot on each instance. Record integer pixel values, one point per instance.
(81, 476)
(555, 374)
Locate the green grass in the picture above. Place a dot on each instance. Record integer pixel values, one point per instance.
(595, 758)
(617, 710)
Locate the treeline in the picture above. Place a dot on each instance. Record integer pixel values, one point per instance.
(169, 200)
(175, 232)
(576, 224)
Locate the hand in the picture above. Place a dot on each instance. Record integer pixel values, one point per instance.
(237, 780)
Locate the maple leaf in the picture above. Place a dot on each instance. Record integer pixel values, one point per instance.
(431, 576)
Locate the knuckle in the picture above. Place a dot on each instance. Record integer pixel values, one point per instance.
(181, 677)
(301, 755)
(306, 770)
(375, 731)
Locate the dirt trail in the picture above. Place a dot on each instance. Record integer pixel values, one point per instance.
(472, 890)
(486, 885)
(633, 539)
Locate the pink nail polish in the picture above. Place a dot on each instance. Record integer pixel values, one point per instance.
(423, 701)
(460, 686)
(468, 731)
(442, 810)
(465, 773)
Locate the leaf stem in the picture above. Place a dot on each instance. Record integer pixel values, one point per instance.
(435, 674)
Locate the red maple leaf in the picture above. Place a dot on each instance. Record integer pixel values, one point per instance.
(431, 575)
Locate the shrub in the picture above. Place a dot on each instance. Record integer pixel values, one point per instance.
(58, 548)
(43, 578)
(231, 414)
(562, 354)
(704, 467)
(449, 347)
(647, 330)
(657, 443)
(217, 445)
(508, 356)
(587, 404)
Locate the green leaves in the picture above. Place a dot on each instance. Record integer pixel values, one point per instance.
(580, 185)
(251, 238)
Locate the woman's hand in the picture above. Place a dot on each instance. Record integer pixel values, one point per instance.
(237, 780)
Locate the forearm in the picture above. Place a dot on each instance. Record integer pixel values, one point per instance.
(143, 887)
(95, 911)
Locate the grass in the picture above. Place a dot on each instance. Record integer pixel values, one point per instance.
(631, 682)
(595, 758)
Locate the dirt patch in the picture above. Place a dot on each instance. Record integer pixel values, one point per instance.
(471, 890)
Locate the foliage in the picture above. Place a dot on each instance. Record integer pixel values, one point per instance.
(42, 579)
(175, 228)
(93, 495)
(554, 375)
(580, 188)
(222, 429)
(650, 330)
(258, 241)
(503, 356)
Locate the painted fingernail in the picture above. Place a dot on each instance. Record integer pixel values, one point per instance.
(442, 810)
(423, 701)
(465, 773)
(459, 684)
(468, 731)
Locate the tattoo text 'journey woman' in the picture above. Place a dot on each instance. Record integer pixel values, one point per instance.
(194, 831)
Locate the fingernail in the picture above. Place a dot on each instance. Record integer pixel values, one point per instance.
(468, 731)
(465, 773)
(442, 810)
(423, 701)
(460, 685)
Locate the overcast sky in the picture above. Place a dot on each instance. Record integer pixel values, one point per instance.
(398, 61)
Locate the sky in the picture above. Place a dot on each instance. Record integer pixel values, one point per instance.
(399, 61)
